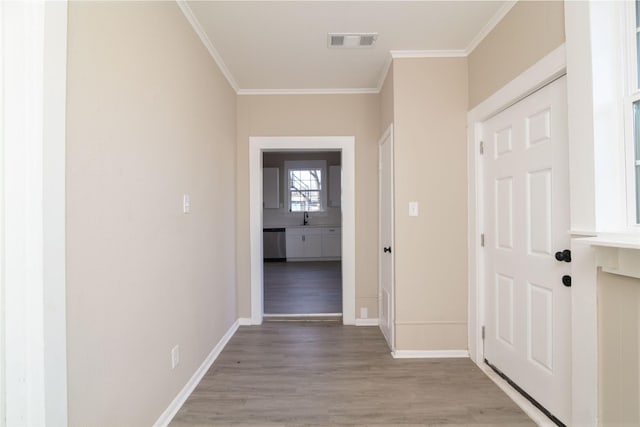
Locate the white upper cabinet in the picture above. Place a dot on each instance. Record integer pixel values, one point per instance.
(335, 185)
(271, 188)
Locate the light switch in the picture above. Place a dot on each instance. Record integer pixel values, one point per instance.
(186, 204)
(413, 208)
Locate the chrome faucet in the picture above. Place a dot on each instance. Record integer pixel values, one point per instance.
(305, 218)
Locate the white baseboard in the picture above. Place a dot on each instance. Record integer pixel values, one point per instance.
(244, 321)
(186, 391)
(429, 354)
(303, 315)
(367, 322)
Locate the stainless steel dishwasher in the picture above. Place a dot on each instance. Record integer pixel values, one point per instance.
(274, 244)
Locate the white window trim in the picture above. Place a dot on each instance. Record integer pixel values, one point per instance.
(631, 95)
(307, 164)
(596, 87)
(599, 126)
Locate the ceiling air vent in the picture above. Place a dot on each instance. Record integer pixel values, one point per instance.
(336, 40)
(352, 40)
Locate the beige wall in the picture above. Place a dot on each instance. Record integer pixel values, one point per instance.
(619, 349)
(316, 115)
(527, 33)
(430, 107)
(149, 117)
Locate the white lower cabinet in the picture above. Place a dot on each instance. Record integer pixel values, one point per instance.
(332, 242)
(304, 242)
(295, 244)
(313, 242)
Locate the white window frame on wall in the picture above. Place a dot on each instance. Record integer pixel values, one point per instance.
(307, 164)
(632, 95)
(600, 126)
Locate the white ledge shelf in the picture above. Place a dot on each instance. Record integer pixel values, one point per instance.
(617, 253)
(615, 240)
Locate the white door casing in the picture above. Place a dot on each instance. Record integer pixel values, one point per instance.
(526, 212)
(33, 362)
(386, 312)
(346, 145)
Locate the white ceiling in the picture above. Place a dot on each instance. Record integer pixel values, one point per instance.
(281, 46)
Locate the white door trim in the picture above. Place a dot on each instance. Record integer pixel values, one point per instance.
(541, 73)
(346, 144)
(33, 378)
(526, 208)
(387, 134)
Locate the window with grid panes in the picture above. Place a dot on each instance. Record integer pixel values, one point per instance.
(305, 190)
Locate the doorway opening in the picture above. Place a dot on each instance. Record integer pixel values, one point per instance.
(343, 242)
(302, 233)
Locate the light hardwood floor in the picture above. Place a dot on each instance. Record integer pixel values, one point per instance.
(326, 374)
(303, 287)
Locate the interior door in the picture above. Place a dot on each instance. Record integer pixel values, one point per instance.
(386, 261)
(526, 208)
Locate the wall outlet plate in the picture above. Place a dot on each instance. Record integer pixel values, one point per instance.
(413, 208)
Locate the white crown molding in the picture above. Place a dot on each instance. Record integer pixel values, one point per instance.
(197, 27)
(429, 354)
(484, 32)
(343, 91)
(396, 54)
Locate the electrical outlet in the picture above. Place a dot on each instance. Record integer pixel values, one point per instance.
(364, 313)
(175, 356)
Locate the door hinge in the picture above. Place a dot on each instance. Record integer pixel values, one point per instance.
(482, 240)
(481, 147)
(482, 331)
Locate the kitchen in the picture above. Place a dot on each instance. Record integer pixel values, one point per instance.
(302, 236)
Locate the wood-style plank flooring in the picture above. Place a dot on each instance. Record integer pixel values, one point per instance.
(303, 287)
(326, 374)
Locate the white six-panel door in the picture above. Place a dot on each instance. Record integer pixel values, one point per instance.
(526, 221)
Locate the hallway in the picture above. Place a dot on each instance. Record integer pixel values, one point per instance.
(323, 373)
